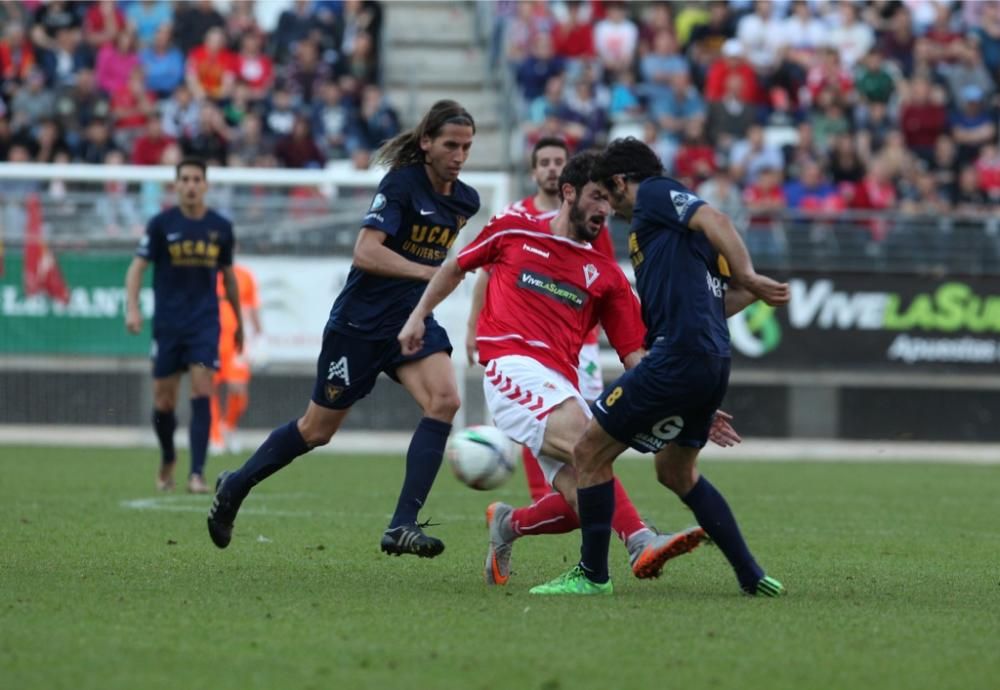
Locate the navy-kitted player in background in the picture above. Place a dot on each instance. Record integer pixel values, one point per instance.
(685, 253)
(187, 244)
(414, 219)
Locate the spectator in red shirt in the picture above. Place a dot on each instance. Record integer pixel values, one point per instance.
(17, 58)
(766, 203)
(922, 116)
(875, 192)
(828, 72)
(211, 67)
(298, 149)
(150, 145)
(988, 169)
(731, 62)
(695, 161)
(103, 22)
(131, 107)
(254, 68)
(573, 39)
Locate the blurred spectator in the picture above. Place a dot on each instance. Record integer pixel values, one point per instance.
(966, 70)
(103, 22)
(67, 55)
(49, 142)
(51, 18)
(695, 160)
(146, 17)
(679, 104)
(845, 163)
(253, 67)
(542, 64)
(376, 121)
(211, 68)
(759, 33)
(940, 43)
(707, 37)
(77, 105)
(332, 118)
(944, 163)
(662, 62)
(731, 62)
(722, 191)
(192, 20)
(531, 19)
(986, 35)
(801, 34)
(828, 118)
(874, 129)
(117, 208)
(812, 192)
(131, 106)
(293, 26)
(149, 146)
(586, 105)
(924, 197)
(922, 116)
(753, 155)
(875, 82)
(988, 170)
(766, 203)
(162, 63)
(616, 38)
(240, 22)
(211, 140)
(298, 149)
(827, 72)
(624, 105)
(180, 113)
(573, 37)
(17, 57)
(280, 114)
(972, 126)
(249, 143)
(96, 142)
(305, 72)
(852, 37)
(362, 60)
(898, 44)
(730, 117)
(969, 197)
(875, 192)
(32, 102)
(115, 62)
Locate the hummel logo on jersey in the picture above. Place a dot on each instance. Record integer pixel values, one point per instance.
(590, 274)
(533, 250)
(426, 213)
(173, 237)
(338, 369)
(682, 201)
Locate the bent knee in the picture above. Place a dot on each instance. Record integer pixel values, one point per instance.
(679, 479)
(316, 434)
(444, 406)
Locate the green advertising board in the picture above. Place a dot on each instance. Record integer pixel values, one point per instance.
(91, 323)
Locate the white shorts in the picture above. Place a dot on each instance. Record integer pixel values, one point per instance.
(520, 394)
(589, 372)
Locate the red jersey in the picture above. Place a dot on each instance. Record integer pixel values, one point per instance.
(546, 293)
(602, 244)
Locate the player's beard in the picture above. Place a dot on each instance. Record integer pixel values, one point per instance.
(578, 224)
(549, 185)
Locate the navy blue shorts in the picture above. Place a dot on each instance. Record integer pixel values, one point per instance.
(174, 352)
(348, 367)
(665, 399)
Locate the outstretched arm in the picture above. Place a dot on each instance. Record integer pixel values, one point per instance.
(721, 232)
(444, 282)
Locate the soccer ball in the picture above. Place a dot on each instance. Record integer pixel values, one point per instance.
(482, 457)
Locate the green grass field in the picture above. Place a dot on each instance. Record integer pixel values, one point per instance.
(892, 572)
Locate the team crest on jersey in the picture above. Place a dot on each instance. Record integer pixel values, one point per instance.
(682, 201)
(590, 274)
(338, 369)
(213, 236)
(378, 203)
(333, 392)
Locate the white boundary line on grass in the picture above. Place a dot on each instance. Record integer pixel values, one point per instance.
(369, 442)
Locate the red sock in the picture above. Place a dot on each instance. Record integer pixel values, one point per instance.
(533, 473)
(215, 430)
(626, 521)
(236, 405)
(551, 514)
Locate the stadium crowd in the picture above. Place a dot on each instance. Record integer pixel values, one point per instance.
(150, 81)
(771, 108)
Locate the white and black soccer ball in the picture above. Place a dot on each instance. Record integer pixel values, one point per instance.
(482, 457)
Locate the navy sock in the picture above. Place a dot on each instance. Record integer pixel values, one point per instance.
(596, 505)
(165, 424)
(423, 458)
(279, 449)
(715, 517)
(201, 421)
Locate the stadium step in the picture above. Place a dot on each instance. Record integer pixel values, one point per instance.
(434, 23)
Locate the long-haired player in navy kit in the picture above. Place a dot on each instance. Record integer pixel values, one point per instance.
(187, 244)
(414, 219)
(692, 269)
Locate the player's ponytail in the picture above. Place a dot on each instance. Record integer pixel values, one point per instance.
(404, 148)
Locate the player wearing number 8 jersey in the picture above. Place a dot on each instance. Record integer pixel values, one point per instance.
(547, 291)
(685, 254)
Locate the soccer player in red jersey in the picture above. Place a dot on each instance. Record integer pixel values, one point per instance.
(548, 290)
(548, 157)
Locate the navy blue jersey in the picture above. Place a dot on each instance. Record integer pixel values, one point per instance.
(680, 277)
(421, 225)
(186, 253)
